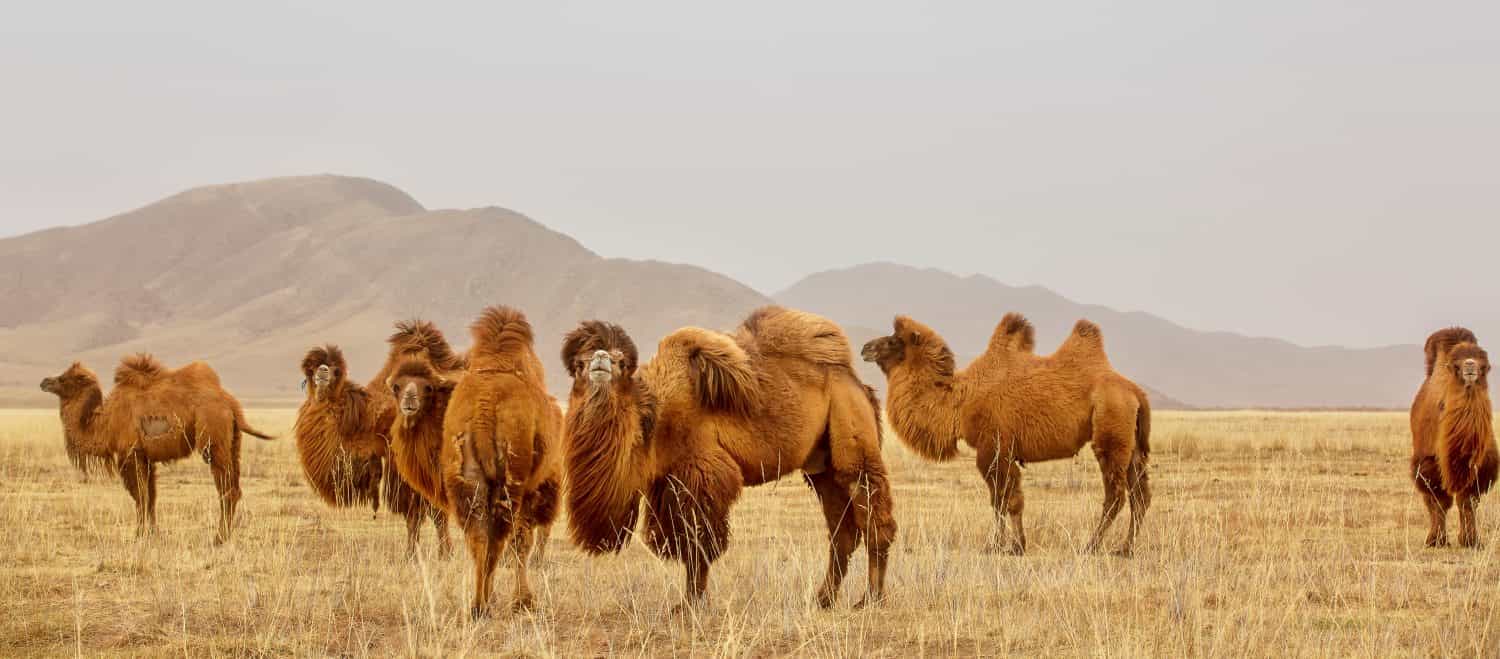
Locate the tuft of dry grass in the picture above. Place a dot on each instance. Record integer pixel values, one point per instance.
(1289, 533)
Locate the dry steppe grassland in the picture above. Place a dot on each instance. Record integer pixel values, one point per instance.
(1287, 534)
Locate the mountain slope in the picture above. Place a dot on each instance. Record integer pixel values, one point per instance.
(1216, 369)
(248, 276)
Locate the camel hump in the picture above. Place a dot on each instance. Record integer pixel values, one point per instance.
(1014, 334)
(1086, 341)
(781, 332)
(417, 335)
(1443, 340)
(720, 371)
(139, 370)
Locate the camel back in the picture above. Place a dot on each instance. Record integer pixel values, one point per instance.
(781, 332)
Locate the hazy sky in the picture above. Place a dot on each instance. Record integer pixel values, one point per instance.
(1320, 171)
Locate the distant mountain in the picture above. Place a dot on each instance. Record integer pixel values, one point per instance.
(1212, 369)
(249, 275)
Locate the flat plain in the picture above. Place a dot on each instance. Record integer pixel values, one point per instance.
(1271, 533)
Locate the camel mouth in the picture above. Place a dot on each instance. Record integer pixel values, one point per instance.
(49, 385)
(1469, 371)
(322, 376)
(601, 368)
(410, 407)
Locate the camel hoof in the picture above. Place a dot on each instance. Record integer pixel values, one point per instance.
(477, 613)
(1123, 552)
(1004, 549)
(826, 599)
(869, 601)
(1436, 543)
(523, 604)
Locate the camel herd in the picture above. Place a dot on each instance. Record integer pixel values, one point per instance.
(660, 451)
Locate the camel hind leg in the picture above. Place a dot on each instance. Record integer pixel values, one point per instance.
(1114, 447)
(854, 453)
(843, 533)
(1139, 487)
(1429, 481)
(224, 462)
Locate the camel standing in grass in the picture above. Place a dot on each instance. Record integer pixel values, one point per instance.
(711, 414)
(1454, 457)
(422, 394)
(342, 434)
(500, 455)
(1016, 407)
(156, 415)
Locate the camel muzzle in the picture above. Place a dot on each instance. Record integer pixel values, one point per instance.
(601, 368)
(1470, 371)
(49, 385)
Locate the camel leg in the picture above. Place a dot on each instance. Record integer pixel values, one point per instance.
(1114, 465)
(843, 533)
(1139, 484)
(1468, 526)
(138, 476)
(440, 529)
(872, 514)
(224, 463)
(539, 549)
(1003, 478)
(413, 517)
(482, 550)
(1428, 479)
(520, 546)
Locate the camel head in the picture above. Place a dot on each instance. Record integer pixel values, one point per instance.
(72, 382)
(1470, 364)
(909, 340)
(597, 354)
(325, 370)
(414, 385)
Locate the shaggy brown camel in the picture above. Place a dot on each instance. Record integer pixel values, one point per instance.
(342, 434)
(1015, 407)
(711, 414)
(500, 456)
(422, 394)
(156, 415)
(1453, 456)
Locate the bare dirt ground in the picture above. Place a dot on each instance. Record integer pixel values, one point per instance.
(1286, 534)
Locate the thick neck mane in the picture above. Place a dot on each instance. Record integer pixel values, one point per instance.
(924, 399)
(1466, 435)
(80, 414)
(608, 432)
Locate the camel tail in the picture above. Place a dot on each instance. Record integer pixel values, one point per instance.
(1143, 425)
(244, 426)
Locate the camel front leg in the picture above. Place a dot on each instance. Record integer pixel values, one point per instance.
(440, 529)
(1468, 525)
(1002, 476)
(1428, 479)
(138, 476)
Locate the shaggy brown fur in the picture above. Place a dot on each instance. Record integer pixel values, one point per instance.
(342, 442)
(1015, 407)
(711, 414)
(500, 457)
(422, 394)
(156, 415)
(1454, 456)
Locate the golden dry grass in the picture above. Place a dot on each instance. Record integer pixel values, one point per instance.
(1285, 534)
